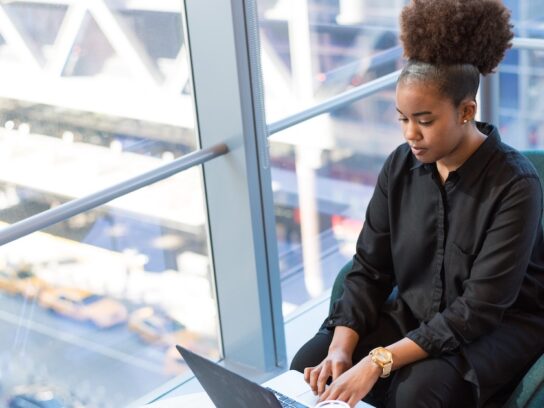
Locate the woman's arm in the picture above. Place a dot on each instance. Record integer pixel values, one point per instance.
(371, 279)
(405, 352)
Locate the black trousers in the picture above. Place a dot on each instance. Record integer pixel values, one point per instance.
(432, 382)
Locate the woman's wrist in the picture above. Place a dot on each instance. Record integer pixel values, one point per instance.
(344, 341)
(340, 353)
(373, 368)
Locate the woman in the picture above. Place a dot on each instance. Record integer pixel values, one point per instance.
(455, 224)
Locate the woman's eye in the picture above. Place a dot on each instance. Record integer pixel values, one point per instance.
(403, 120)
(425, 123)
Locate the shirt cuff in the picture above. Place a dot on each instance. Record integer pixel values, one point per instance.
(331, 323)
(435, 337)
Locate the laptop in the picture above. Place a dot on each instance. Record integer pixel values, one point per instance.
(230, 390)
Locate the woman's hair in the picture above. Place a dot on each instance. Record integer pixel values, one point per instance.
(451, 42)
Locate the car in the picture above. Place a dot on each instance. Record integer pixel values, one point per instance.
(157, 327)
(40, 396)
(39, 400)
(22, 282)
(83, 305)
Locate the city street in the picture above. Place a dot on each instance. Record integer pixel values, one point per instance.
(107, 368)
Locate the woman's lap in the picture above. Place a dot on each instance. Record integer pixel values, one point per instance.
(431, 382)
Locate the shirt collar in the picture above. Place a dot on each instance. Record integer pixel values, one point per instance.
(478, 159)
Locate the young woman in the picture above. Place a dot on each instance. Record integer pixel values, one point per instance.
(455, 223)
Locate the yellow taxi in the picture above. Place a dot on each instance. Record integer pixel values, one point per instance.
(83, 305)
(157, 327)
(22, 282)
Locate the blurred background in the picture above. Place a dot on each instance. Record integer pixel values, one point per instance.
(95, 92)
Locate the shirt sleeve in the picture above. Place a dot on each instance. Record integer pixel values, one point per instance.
(496, 275)
(370, 280)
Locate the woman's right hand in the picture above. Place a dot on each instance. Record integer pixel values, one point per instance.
(337, 362)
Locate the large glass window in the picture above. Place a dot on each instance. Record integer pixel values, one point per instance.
(521, 99)
(323, 174)
(92, 94)
(324, 170)
(521, 80)
(312, 50)
(93, 306)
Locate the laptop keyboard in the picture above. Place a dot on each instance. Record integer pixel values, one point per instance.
(285, 401)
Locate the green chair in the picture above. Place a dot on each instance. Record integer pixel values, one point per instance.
(530, 391)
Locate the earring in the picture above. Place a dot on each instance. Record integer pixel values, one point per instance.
(465, 121)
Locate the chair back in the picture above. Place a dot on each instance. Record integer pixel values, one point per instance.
(537, 158)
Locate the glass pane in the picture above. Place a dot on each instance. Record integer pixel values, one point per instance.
(312, 50)
(92, 93)
(521, 100)
(323, 174)
(38, 24)
(528, 17)
(91, 307)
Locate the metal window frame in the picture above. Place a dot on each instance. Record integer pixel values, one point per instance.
(222, 41)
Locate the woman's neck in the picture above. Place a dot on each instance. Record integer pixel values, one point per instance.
(471, 142)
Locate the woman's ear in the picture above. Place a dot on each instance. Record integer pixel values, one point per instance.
(467, 110)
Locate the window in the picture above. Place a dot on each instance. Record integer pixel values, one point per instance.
(93, 94)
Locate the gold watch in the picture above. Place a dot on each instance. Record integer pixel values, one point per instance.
(384, 358)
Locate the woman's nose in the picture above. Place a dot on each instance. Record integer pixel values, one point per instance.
(411, 132)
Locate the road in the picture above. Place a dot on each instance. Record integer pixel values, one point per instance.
(105, 368)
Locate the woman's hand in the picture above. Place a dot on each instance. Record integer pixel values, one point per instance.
(336, 363)
(354, 384)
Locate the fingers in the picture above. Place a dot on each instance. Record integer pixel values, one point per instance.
(322, 378)
(337, 369)
(313, 377)
(317, 377)
(352, 401)
(307, 372)
(326, 395)
(333, 393)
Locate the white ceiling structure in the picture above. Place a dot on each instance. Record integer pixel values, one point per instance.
(129, 83)
(106, 37)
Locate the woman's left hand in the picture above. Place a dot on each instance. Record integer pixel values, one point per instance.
(354, 384)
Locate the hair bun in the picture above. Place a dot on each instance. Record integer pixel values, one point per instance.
(476, 32)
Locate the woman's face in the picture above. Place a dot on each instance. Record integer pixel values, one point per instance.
(433, 127)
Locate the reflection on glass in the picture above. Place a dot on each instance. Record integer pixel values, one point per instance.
(323, 174)
(92, 307)
(93, 93)
(521, 100)
(315, 49)
(522, 81)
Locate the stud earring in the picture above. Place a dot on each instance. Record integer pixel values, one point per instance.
(465, 121)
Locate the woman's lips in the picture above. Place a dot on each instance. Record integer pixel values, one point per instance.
(418, 151)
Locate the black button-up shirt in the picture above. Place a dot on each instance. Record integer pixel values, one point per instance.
(463, 254)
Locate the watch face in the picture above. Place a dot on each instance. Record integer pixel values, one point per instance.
(382, 355)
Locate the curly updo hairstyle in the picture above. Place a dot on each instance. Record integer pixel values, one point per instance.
(451, 42)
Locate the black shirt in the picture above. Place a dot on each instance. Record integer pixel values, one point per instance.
(463, 254)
